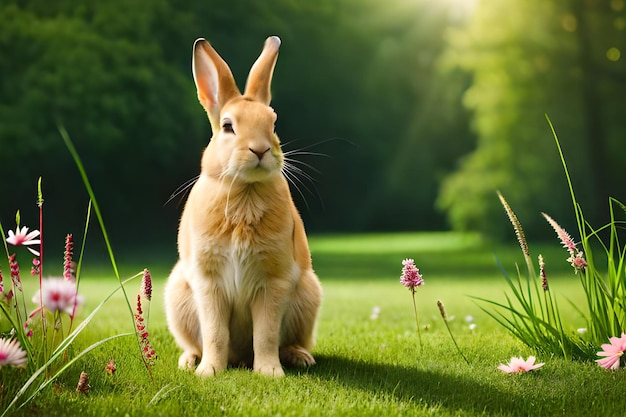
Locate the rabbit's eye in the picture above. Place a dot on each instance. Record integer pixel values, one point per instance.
(227, 127)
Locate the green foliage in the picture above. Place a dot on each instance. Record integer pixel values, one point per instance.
(117, 76)
(531, 312)
(526, 59)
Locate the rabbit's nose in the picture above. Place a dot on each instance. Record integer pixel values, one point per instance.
(259, 154)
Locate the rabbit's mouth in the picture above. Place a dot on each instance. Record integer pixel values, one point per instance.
(260, 172)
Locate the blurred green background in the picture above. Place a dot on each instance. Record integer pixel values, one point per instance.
(424, 108)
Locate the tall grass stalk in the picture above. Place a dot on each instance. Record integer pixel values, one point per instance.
(532, 315)
(96, 207)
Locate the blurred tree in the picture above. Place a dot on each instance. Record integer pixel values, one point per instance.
(527, 59)
(357, 80)
(96, 69)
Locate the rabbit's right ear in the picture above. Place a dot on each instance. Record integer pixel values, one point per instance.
(214, 80)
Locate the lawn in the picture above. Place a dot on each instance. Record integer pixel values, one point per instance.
(367, 366)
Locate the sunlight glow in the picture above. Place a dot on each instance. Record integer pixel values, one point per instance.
(462, 9)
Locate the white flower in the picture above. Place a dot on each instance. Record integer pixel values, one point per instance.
(21, 237)
(58, 294)
(11, 353)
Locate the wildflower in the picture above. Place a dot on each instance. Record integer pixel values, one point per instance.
(613, 351)
(519, 365)
(411, 279)
(58, 294)
(15, 272)
(578, 262)
(11, 353)
(21, 237)
(27, 330)
(375, 313)
(146, 285)
(36, 268)
(566, 239)
(83, 383)
(68, 271)
(411, 276)
(472, 326)
(542, 273)
(1, 283)
(148, 352)
(469, 318)
(110, 368)
(575, 256)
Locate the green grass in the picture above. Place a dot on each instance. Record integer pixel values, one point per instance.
(365, 367)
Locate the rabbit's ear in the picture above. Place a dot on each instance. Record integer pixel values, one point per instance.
(260, 78)
(213, 78)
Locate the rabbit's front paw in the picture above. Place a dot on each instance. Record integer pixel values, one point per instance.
(187, 360)
(269, 369)
(205, 369)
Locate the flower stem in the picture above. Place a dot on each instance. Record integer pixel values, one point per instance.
(444, 316)
(417, 324)
(43, 313)
(455, 344)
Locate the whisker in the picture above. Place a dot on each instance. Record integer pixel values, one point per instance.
(295, 161)
(184, 188)
(300, 152)
(317, 143)
(293, 182)
(295, 170)
(293, 173)
(299, 171)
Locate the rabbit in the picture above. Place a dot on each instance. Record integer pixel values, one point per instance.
(243, 291)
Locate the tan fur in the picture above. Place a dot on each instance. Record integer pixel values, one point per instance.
(243, 290)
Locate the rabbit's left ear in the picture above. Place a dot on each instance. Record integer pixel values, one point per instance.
(260, 77)
(214, 80)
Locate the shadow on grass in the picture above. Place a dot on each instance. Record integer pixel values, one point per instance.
(428, 389)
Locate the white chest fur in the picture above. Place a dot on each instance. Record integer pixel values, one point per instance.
(240, 271)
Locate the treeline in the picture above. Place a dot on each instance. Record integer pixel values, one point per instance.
(394, 94)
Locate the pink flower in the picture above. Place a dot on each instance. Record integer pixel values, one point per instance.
(578, 262)
(146, 285)
(613, 352)
(576, 257)
(68, 270)
(148, 352)
(36, 268)
(58, 295)
(11, 353)
(566, 239)
(518, 365)
(110, 368)
(411, 277)
(21, 237)
(15, 272)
